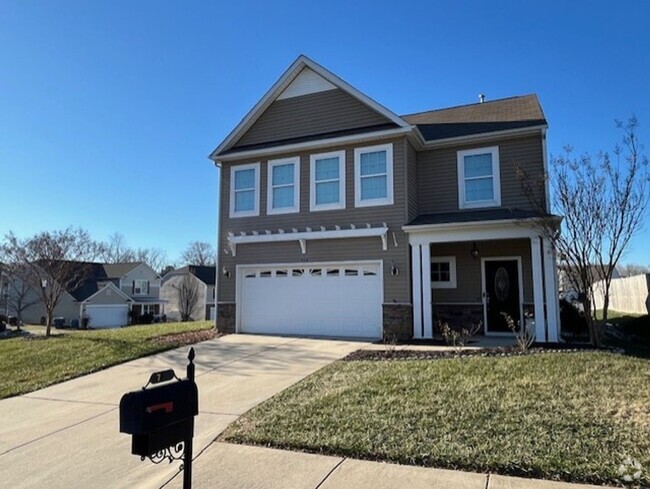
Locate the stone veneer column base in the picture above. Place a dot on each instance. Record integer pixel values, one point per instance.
(457, 316)
(226, 317)
(398, 321)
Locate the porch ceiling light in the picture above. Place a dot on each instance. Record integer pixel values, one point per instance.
(474, 252)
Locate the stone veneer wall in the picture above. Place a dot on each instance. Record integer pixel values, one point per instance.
(398, 321)
(458, 316)
(226, 317)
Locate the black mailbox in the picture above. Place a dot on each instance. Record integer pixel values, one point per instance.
(160, 416)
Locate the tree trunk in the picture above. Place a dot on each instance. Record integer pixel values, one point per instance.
(48, 323)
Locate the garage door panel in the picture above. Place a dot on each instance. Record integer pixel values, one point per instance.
(104, 316)
(325, 300)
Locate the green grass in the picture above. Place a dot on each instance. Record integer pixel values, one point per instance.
(566, 416)
(30, 364)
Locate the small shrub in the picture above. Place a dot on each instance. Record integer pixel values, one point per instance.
(458, 338)
(390, 344)
(525, 336)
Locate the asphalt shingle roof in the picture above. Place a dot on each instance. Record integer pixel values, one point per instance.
(479, 118)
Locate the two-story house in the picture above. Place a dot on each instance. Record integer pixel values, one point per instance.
(110, 295)
(339, 218)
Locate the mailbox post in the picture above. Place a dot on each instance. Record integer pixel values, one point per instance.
(160, 419)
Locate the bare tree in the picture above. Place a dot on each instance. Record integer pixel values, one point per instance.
(187, 291)
(199, 253)
(603, 201)
(116, 250)
(631, 269)
(51, 263)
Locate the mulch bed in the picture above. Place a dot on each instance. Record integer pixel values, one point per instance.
(187, 338)
(502, 351)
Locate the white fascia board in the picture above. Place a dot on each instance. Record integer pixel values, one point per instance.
(320, 143)
(472, 231)
(285, 80)
(303, 236)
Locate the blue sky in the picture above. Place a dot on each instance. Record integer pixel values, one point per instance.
(108, 109)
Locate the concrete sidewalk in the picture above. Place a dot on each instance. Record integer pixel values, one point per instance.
(228, 466)
(66, 435)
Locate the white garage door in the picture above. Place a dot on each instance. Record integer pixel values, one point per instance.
(341, 300)
(107, 316)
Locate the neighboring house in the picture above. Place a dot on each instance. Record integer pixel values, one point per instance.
(204, 277)
(340, 218)
(111, 296)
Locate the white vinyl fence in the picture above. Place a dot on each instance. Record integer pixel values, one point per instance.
(627, 294)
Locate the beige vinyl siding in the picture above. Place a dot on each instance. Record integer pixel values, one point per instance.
(396, 288)
(468, 268)
(169, 293)
(438, 173)
(107, 296)
(316, 113)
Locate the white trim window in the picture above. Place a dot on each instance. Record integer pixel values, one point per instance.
(373, 175)
(283, 178)
(245, 190)
(140, 287)
(443, 272)
(479, 180)
(327, 181)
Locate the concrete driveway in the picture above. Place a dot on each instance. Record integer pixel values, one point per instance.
(67, 435)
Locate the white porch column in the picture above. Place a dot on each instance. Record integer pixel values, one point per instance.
(538, 289)
(416, 276)
(551, 292)
(427, 316)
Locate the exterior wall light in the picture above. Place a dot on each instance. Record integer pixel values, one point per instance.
(474, 252)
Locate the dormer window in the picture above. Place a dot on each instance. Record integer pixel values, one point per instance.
(479, 178)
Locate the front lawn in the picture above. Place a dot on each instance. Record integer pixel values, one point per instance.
(567, 416)
(27, 364)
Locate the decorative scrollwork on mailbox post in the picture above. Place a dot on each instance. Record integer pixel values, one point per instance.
(160, 419)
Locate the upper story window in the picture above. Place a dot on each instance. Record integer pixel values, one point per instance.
(327, 181)
(373, 175)
(479, 178)
(245, 190)
(443, 272)
(140, 287)
(283, 186)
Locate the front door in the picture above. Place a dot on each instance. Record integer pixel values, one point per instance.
(501, 292)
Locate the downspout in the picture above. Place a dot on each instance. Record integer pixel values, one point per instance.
(217, 274)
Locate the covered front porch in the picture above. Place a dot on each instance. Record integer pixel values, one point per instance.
(481, 276)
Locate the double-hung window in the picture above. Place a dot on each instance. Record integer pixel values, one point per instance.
(479, 178)
(283, 186)
(245, 190)
(373, 175)
(443, 272)
(140, 287)
(327, 181)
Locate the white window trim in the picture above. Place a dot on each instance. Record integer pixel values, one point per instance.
(295, 161)
(452, 272)
(388, 200)
(496, 178)
(312, 182)
(256, 208)
(135, 286)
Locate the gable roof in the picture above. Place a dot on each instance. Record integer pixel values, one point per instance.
(465, 120)
(278, 90)
(112, 286)
(206, 274)
(100, 273)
